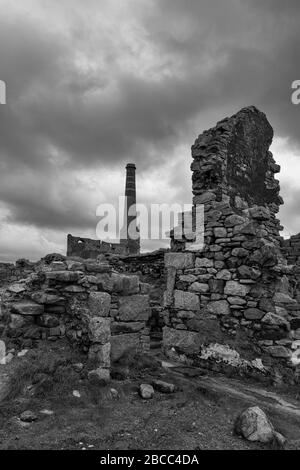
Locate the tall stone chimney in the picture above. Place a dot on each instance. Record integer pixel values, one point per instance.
(132, 245)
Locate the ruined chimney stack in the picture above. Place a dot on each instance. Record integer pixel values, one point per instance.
(132, 245)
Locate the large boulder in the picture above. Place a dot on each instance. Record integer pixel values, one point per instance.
(254, 426)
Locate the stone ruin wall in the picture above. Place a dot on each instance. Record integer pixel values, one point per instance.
(232, 306)
(87, 248)
(10, 272)
(291, 250)
(101, 311)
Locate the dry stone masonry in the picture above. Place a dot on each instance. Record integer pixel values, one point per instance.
(232, 305)
(101, 311)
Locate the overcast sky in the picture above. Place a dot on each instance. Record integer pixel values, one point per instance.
(94, 84)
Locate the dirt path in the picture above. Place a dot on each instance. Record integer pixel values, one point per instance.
(271, 400)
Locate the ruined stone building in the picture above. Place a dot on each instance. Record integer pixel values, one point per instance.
(236, 301)
(88, 248)
(233, 306)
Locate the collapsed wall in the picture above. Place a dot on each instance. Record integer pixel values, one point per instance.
(10, 272)
(99, 310)
(87, 248)
(230, 305)
(291, 250)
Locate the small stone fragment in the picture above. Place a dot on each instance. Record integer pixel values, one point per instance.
(146, 391)
(28, 416)
(163, 387)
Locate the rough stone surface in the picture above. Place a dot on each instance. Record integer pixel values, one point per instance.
(99, 304)
(121, 344)
(254, 426)
(187, 342)
(163, 387)
(134, 308)
(186, 300)
(146, 391)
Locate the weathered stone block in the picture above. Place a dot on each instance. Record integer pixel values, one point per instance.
(273, 319)
(121, 344)
(104, 282)
(134, 308)
(16, 288)
(64, 276)
(75, 265)
(186, 300)
(205, 198)
(99, 329)
(236, 301)
(259, 213)
(233, 220)
(224, 275)
(131, 285)
(74, 289)
(220, 232)
(179, 260)
(204, 263)
(184, 341)
(219, 307)
(253, 314)
(234, 288)
(199, 287)
(19, 321)
(57, 266)
(279, 351)
(100, 354)
(98, 267)
(27, 308)
(99, 304)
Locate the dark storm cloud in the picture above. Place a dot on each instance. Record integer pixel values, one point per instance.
(89, 95)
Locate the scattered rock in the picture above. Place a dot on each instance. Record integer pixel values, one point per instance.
(163, 387)
(114, 394)
(47, 412)
(78, 367)
(254, 426)
(28, 416)
(146, 391)
(22, 353)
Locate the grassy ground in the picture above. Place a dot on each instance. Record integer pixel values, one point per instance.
(45, 380)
